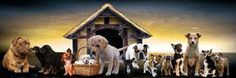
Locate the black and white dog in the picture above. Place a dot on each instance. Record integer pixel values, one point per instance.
(209, 64)
(134, 53)
(178, 59)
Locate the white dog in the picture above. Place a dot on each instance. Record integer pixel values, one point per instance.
(85, 59)
(106, 52)
(152, 65)
(135, 52)
(192, 55)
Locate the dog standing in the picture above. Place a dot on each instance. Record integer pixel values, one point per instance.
(16, 57)
(152, 65)
(106, 52)
(134, 53)
(221, 64)
(192, 55)
(67, 60)
(166, 65)
(178, 59)
(209, 64)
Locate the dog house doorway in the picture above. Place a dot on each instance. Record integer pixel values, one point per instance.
(112, 36)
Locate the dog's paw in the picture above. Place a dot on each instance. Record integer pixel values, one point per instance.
(185, 74)
(100, 72)
(108, 73)
(25, 70)
(32, 66)
(17, 71)
(128, 71)
(196, 74)
(115, 72)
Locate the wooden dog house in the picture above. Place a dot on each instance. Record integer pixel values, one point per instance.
(110, 23)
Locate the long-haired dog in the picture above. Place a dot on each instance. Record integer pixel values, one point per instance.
(67, 60)
(221, 63)
(152, 64)
(178, 59)
(166, 66)
(209, 64)
(192, 55)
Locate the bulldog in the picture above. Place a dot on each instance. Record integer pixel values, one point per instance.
(16, 57)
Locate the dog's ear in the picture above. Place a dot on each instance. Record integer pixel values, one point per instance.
(187, 35)
(135, 48)
(103, 42)
(203, 51)
(199, 35)
(220, 54)
(173, 45)
(145, 47)
(15, 40)
(159, 56)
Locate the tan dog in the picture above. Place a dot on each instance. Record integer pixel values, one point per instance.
(192, 55)
(166, 66)
(221, 63)
(16, 57)
(67, 59)
(106, 52)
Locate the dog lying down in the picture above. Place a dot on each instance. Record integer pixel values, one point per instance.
(85, 59)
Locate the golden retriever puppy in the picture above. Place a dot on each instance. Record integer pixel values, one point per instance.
(16, 57)
(106, 52)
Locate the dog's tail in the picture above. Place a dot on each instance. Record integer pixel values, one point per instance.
(123, 48)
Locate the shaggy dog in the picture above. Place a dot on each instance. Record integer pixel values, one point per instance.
(67, 60)
(192, 55)
(178, 59)
(221, 63)
(106, 52)
(16, 57)
(49, 59)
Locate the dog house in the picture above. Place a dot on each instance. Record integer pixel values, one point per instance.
(110, 23)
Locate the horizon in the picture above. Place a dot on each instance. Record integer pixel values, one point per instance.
(168, 22)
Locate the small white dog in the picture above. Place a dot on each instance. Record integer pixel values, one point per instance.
(85, 59)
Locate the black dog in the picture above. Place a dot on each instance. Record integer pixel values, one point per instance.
(49, 59)
(178, 59)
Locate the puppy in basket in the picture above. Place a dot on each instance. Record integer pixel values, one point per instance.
(85, 59)
(67, 60)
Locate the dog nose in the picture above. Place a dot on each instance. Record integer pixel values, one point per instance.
(192, 42)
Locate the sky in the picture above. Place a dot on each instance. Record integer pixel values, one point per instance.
(45, 22)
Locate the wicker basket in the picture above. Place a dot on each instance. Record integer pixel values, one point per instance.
(86, 69)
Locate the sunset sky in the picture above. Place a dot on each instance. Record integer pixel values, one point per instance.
(45, 22)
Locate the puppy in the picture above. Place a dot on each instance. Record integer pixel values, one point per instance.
(191, 56)
(209, 64)
(106, 52)
(221, 63)
(134, 53)
(152, 65)
(166, 65)
(178, 59)
(84, 59)
(16, 57)
(67, 60)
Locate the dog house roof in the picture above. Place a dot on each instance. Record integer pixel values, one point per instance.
(96, 14)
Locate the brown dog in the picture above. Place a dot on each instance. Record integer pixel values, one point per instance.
(16, 57)
(67, 59)
(192, 55)
(221, 63)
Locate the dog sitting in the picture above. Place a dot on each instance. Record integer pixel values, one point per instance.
(209, 64)
(178, 59)
(221, 63)
(192, 55)
(136, 52)
(166, 65)
(99, 45)
(67, 60)
(152, 65)
(16, 57)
